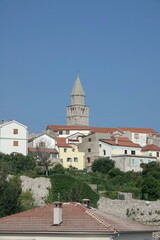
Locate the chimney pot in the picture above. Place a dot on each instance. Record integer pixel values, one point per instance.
(86, 203)
(57, 213)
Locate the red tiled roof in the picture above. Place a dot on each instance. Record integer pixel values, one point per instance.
(61, 142)
(104, 129)
(101, 129)
(51, 150)
(68, 127)
(75, 127)
(75, 218)
(138, 130)
(122, 141)
(151, 147)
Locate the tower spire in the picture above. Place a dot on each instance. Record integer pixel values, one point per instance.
(77, 112)
(77, 95)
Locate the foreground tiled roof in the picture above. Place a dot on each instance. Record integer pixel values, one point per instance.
(51, 150)
(76, 218)
(121, 141)
(151, 147)
(139, 130)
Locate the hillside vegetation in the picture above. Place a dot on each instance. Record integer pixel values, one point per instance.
(72, 185)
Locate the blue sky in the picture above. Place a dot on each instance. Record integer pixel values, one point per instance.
(114, 44)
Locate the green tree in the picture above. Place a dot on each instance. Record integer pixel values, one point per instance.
(103, 165)
(27, 201)
(9, 192)
(150, 188)
(57, 169)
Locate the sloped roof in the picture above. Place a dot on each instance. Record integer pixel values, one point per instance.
(139, 130)
(61, 142)
(67, 127)
(50, 150)
(75, 127)
(121, 141)
(12, 121)
(151, 147)
(75, 218)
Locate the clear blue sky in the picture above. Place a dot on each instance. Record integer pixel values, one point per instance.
(114, 44)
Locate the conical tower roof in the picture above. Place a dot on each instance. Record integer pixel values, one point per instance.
(77, 88)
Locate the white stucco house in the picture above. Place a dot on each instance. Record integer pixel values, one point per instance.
(127, 155)
(13, 137)
(44, 143)
(71, 220)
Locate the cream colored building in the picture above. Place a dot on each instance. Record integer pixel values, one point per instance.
(70, 155)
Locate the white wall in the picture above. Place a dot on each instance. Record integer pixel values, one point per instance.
(50, 142)
(142, 140)
(7, 137)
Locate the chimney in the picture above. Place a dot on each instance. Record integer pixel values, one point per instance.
(57, 213)
(86, 203)
(116, 140)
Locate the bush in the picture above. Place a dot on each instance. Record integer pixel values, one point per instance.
(27, 201)
(103, 165)
(67, 188)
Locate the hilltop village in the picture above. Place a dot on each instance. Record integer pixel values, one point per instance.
(77, 144)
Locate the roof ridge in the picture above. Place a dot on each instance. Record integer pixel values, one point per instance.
(98, 218)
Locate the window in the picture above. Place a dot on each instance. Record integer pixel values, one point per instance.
(149, 160)
(15, 143)
(73, 149)
(100, 145)
(67, 132)
(133, 152)
(125, 151)
(65, 149)
(104, 152)
(69, 159)
(133, 161)
(60, 132)
(89, 139)
(141, 161)
(89, 150)
(42, 144)
(136, 135)
(75, 159)
(15, 131)
(53, 155)
(88, 159)
(157, 154)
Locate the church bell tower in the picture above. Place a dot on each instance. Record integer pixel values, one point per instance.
(78, 112)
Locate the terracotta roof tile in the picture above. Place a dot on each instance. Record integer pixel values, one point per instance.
(51, 150)
(151, 147)
(139, 130)
(61, 142)
(121, 141)
(76, 218)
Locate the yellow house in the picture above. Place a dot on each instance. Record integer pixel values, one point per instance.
(69, 154)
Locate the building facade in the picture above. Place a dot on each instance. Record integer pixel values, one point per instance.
(13, 138)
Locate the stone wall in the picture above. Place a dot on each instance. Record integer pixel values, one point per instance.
(39, 187)
(138, 210)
